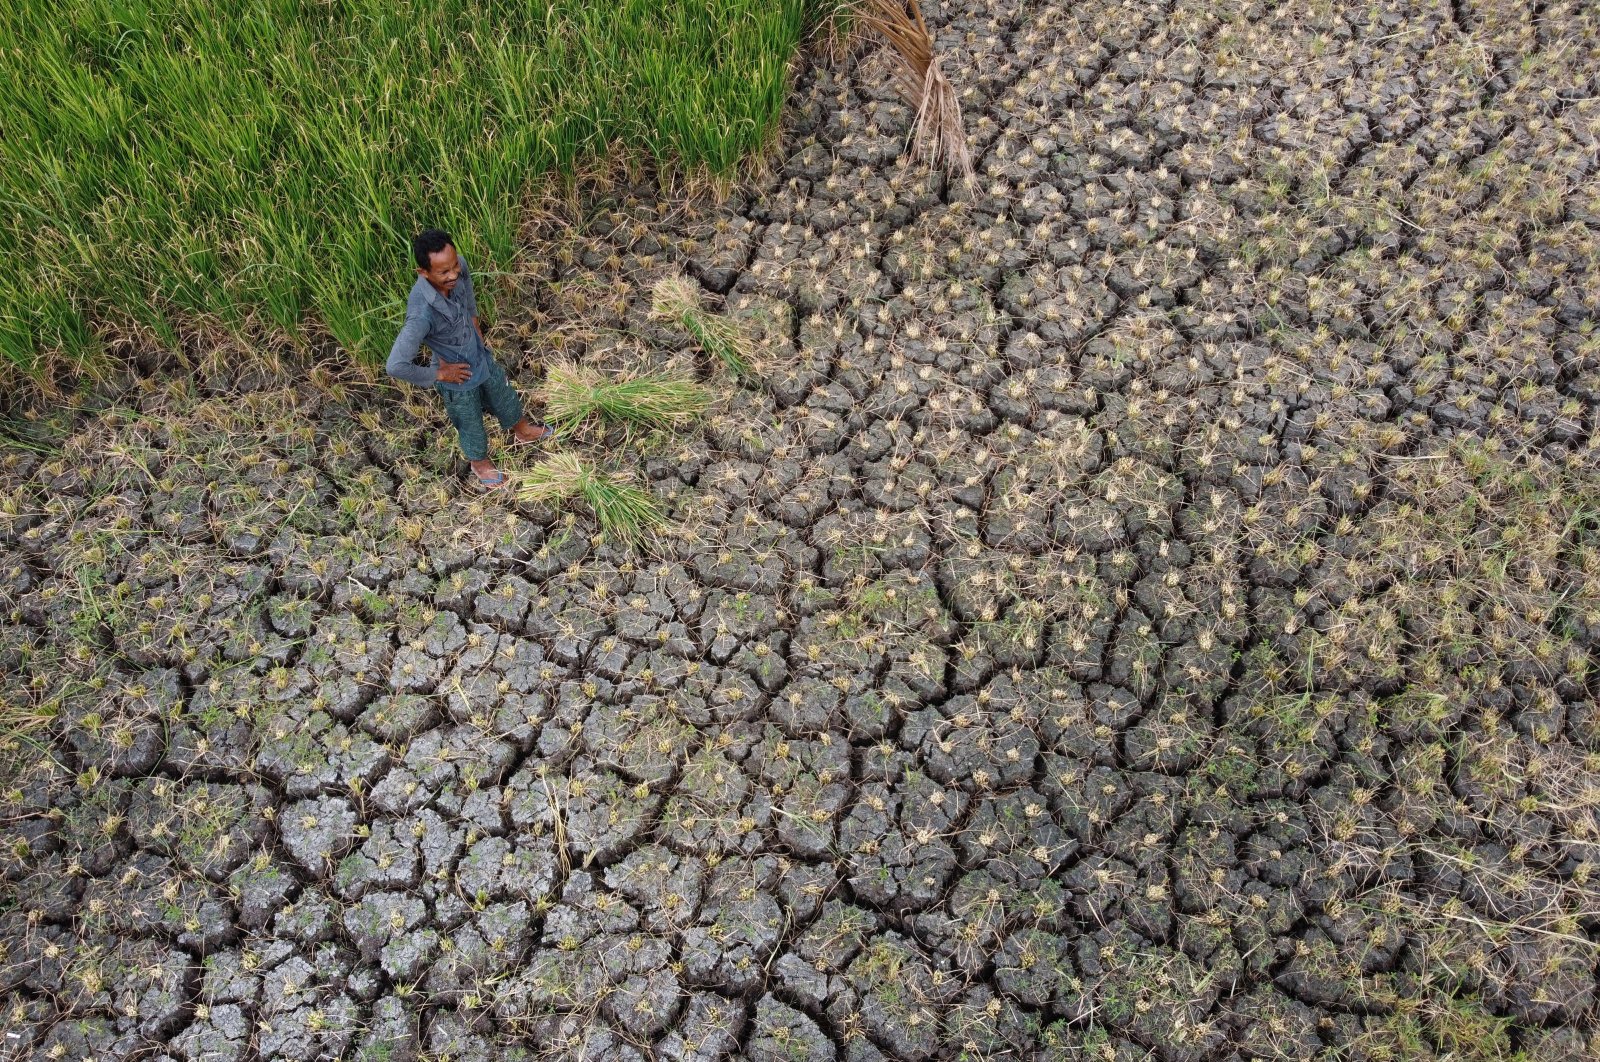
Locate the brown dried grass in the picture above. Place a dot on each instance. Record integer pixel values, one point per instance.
(938, 135)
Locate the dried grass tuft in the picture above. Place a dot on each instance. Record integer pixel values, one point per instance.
(938, 135)
(829, 30)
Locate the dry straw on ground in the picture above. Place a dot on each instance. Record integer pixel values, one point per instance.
(938, 135)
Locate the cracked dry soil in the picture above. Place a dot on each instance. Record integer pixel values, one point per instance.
(1146, 607)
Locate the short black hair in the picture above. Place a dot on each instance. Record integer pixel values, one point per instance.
(427, 243)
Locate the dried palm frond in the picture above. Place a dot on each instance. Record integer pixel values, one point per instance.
(938, 134)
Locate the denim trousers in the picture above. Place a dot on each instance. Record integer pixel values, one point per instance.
(466, 409)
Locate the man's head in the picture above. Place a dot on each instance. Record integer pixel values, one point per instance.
(436, 259)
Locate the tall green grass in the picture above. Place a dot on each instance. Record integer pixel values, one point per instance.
(252, 165)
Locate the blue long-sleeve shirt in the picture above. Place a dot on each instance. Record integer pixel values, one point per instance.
(445, 326)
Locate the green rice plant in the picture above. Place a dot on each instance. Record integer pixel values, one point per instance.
(285, 150)
(575, 394)
(677, 299)
(622, 510)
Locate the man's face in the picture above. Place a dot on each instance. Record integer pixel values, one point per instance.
(444, 270)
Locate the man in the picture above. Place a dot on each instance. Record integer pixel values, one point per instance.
(442, 312)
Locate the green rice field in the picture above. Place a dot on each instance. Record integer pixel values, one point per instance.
(255, 166)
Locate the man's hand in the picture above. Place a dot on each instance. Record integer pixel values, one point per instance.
(454, 372)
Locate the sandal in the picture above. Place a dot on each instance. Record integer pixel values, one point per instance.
(497, 481)
(546, 433)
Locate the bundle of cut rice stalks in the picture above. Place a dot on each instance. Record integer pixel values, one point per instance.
(938, 135)
(624, 511)
(677, 299)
